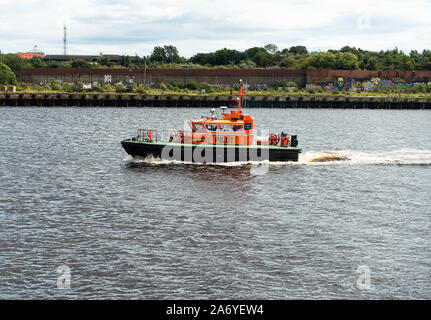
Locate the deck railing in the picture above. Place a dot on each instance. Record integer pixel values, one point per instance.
(147, 135)
(217, 137)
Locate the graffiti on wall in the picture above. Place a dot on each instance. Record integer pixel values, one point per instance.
(350, 84)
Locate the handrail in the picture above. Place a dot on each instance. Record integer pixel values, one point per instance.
(216, 137)
(146, 135)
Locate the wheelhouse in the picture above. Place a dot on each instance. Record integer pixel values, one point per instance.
(230, 128)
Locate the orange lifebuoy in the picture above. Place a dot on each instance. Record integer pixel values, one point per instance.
(273, 139)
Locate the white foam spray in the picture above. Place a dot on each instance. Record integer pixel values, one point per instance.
(321, 158)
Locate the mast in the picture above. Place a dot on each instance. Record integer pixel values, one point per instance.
(65, 41)
(240, 95)
(245, 95)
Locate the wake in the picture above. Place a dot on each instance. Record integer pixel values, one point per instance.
(355, 157)
(319, 158)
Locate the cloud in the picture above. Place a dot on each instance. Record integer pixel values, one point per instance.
(136, 26)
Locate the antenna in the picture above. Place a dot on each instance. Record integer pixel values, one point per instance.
(240, 96)
(65, 41)
(245, 94)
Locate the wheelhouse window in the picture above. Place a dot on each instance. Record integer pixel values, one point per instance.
(224, 127)
(211, 127)
(198, 127)
(237, 127)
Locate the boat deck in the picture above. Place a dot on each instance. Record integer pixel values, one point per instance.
(164, 143)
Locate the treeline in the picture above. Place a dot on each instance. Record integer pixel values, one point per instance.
(298, 58)
(269, 56)
(17, 63)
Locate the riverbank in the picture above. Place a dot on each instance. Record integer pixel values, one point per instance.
(198, 101)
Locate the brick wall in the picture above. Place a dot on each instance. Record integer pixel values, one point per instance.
(156, 76)
(212, 76)
(315, 76)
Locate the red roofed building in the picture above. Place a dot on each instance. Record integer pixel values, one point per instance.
(33, 53)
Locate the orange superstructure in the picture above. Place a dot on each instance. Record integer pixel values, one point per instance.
(234, 128)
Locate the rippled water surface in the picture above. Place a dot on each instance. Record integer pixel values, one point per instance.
(133, 229)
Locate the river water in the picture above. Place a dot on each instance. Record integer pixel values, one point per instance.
(350, 220)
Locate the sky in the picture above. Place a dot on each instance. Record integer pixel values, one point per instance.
(135, 27)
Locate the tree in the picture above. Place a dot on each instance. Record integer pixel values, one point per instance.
(426, 60)
(158, 54)
(165, 54)
(346, 49)
(370, 63)
(288, 63)
(54, 64)
(106, 62)
(6, 75)
(200, 58)
(80, 64)
(262, 58)
(277, 58)
(37, 62)
(298, 50)
(226, 56)
(321, 60)
(251, 52)
(13, 61)
(346, 61)
(259, 55)
(271, 48)
(409, 65)
(171, 54)
(125, 61)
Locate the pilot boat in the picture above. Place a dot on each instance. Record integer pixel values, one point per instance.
(228, 137)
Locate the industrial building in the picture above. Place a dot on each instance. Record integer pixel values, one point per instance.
(32, 53)
(90, 58)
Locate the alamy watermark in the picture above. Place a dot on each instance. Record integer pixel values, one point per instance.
(363, 22)
(217, 147)
(63, 281)
(259, 169)
(363, 282)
